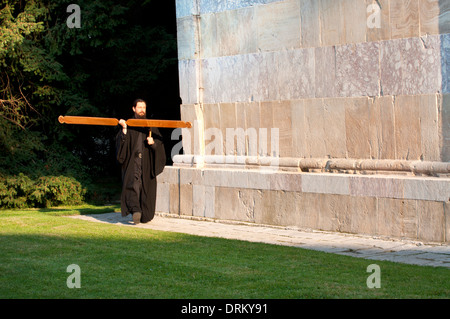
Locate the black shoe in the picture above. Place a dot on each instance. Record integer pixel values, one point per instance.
(137, 218)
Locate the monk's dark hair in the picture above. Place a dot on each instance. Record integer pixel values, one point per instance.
(137, 101)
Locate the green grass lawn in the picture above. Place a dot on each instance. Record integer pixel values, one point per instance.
(37, 246)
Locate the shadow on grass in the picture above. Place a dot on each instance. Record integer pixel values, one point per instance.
(35, 266)
(127, 262)
(79, 210)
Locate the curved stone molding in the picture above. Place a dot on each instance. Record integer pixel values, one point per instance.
(306, 164)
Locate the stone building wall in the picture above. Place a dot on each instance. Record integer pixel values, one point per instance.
(322, 114)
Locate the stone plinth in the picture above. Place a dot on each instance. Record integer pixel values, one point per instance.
(404, 207)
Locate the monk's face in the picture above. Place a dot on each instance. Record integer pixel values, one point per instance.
(140, 110)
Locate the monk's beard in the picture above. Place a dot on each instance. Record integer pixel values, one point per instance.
(140, 117)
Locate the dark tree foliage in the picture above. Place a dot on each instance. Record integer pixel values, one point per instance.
(123, 50)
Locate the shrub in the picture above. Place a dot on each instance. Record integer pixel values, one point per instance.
(23, 192)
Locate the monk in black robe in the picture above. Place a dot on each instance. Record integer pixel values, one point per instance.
(142, 157)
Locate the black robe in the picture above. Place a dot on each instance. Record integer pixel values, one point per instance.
(139, 181)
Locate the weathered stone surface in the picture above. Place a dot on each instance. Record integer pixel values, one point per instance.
(237, 179)
(363, 215)
(225, 178)
(174, 193)
(218, 78)
(210, 201)
(383, 30)
(239, 69)
(248, 200)
(228, 121)
(188, 139)
(213, 134)
(329, 212)
(253, 123)
(210, 80)
(187, 38)
(186, 200)
(381, 128)
(417, 188)
(374, 186)
(225, 203)
(296, 74)
(193, 137)
(266, 208)
(334, 128)
(186, 176)
(264, 145)
(357, 69)
(307, 208)
(397, 218)
(278, 26)
(411, 66)
(257, 179)
(357, 127)
(355, 21)
(434, 17)
(392, 206)
(241, 117)
(326, 184)
(444, 17)
(210, 39)
(407, 128)
(431, 222)
(408, 66)
(421, 65)
(163, 197)
(445, 62)
(282, 121)
(325, 72)
(376, 128)
(236, 31)
(169, 175)
(269, 77)
(213, 178)
(391, 65)
(236, 204)
(232, 68)
(223, 5)
(273, 207)
(258, 76)
(444, 127)
(404, 18)
(188, 75)
(310, 23)
(299, 126)
(285, 181)
(429, 17)
(185, 8)
(241, 135)
(198, 200)
(332, 22)
(429, 128)
(315, 132)
(428, 189)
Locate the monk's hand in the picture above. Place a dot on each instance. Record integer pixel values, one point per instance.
(150, 140)
(123, 123)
